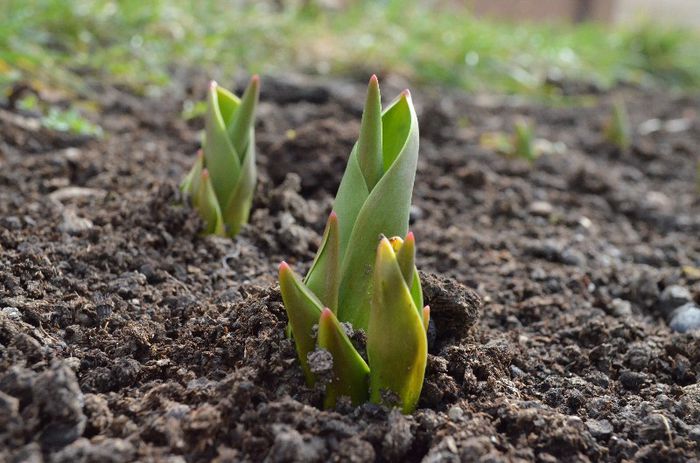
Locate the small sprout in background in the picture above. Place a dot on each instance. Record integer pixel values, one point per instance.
(192, 109)
(373, 199)
(220, 185)
(523, 141)
(61, 120)
(617, 130)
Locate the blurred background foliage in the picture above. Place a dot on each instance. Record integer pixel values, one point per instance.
(72, 45)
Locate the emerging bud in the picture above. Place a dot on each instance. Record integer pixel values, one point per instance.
(397, 344)
(617, 130)
(373, 199)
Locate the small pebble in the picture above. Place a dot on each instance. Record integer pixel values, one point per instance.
(415, 214)
(694, 434)
(541, 208)
(621, 308)
(572, 257)
(685, 318)
(599, 428)
(12, 312)
(455, 414)
(673, 296)
(72, 224)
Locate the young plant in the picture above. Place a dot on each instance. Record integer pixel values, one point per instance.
(220, 185)
(374, 199)
(617, 130)
(397, 344)
(523, 142)
(520, 144)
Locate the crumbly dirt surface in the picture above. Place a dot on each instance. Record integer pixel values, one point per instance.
(125, 336)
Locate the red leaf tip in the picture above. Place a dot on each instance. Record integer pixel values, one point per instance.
(326, 314)
(410, 236)
(205, 174)
(406, 93)
(333, 216)
(283, 266)
(373, 80)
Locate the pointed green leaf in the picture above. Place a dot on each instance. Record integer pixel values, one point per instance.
(397, 344)
(237, 209)
(617, 129)
(352, 194)
(384, 211)
(406, 257)
(208, 207)
(190, 184)
(523, 141)
(369, 143)
(325, 284)
(397, 124)
(221, 158)
(350, 372)
(303, 309)
(417, 290)
(244, 117)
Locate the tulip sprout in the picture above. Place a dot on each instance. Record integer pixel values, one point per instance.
(351, 280)
(523, 142)
(220, 185)
(617, 130)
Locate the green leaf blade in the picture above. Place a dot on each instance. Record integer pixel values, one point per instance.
(303, 310)
(244, 116)
(236, 211)
(220, 156)
(323, 278)
(350, 372)
(208, 207)
(369, 143)
(397, 344)
(190, 184)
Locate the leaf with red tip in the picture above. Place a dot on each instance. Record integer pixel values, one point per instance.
(385, 210)
(350, 372)
(323, 278)
(303, 309)
(426, 316)
(397, 345)
(369, 143)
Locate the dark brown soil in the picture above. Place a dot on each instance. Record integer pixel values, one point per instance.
(125, 336)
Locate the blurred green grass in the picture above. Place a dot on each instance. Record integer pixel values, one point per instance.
(64, 44)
